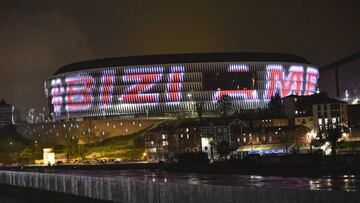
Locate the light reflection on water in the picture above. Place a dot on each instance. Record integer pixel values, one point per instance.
(348, 183)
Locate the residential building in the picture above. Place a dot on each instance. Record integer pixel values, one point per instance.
(6, 113)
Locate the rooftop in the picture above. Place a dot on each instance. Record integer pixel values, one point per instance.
(4, 103)
(180, 58)
(320, 98)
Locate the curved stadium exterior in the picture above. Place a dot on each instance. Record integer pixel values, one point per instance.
(157, 85)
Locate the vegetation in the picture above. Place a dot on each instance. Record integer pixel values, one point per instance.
(225, 105)
(199, 109)
(223, 149)
(275, 103)
(13, 147)
(193, 158)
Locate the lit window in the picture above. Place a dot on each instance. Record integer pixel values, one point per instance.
(187, 130)
(187, 136)
(320, 121)
(326, 121)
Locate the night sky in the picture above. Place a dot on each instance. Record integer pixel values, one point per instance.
(37, 37)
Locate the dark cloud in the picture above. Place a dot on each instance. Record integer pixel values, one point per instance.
(37, 37)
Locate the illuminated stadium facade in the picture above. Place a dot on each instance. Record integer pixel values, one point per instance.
(161, 85)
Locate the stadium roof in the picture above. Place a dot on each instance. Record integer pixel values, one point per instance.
(180, 58)
(340, 62)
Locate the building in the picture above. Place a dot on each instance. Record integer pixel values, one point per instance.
(164, 85)
(354, 121)
(166, 142)
(6, 113)
(213, 132)
(158, 142)
(271, 132)
(316, 111)
(329, 113)
(340, 78)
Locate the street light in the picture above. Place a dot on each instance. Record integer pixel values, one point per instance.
(11, 143)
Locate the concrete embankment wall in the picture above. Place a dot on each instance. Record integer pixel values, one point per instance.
(129, 190)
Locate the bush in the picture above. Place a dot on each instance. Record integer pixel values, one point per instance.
(198, 158)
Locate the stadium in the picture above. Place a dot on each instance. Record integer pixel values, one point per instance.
(167, 85)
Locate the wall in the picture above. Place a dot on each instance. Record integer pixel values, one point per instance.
(136, 191)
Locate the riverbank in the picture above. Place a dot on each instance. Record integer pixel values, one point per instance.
(290, 165)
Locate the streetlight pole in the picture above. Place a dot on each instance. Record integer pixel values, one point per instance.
(11, 143)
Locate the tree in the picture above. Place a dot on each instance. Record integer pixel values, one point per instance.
(223, 149)
(225, 104)
(275, 103)
(332, 135)
(199, 109)
(26, 155)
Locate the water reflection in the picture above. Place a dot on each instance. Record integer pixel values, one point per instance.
(350, 183)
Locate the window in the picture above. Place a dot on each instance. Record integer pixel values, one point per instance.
(187, 136)
(225, 130)
(165, 143)
(335, 113)
(187, 130)
(218, 130)
(244, 139)
(206, 148)
(164, 136)
(335, 106)
(320, 121)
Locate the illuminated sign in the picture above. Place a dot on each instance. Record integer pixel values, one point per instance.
(136, 89)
